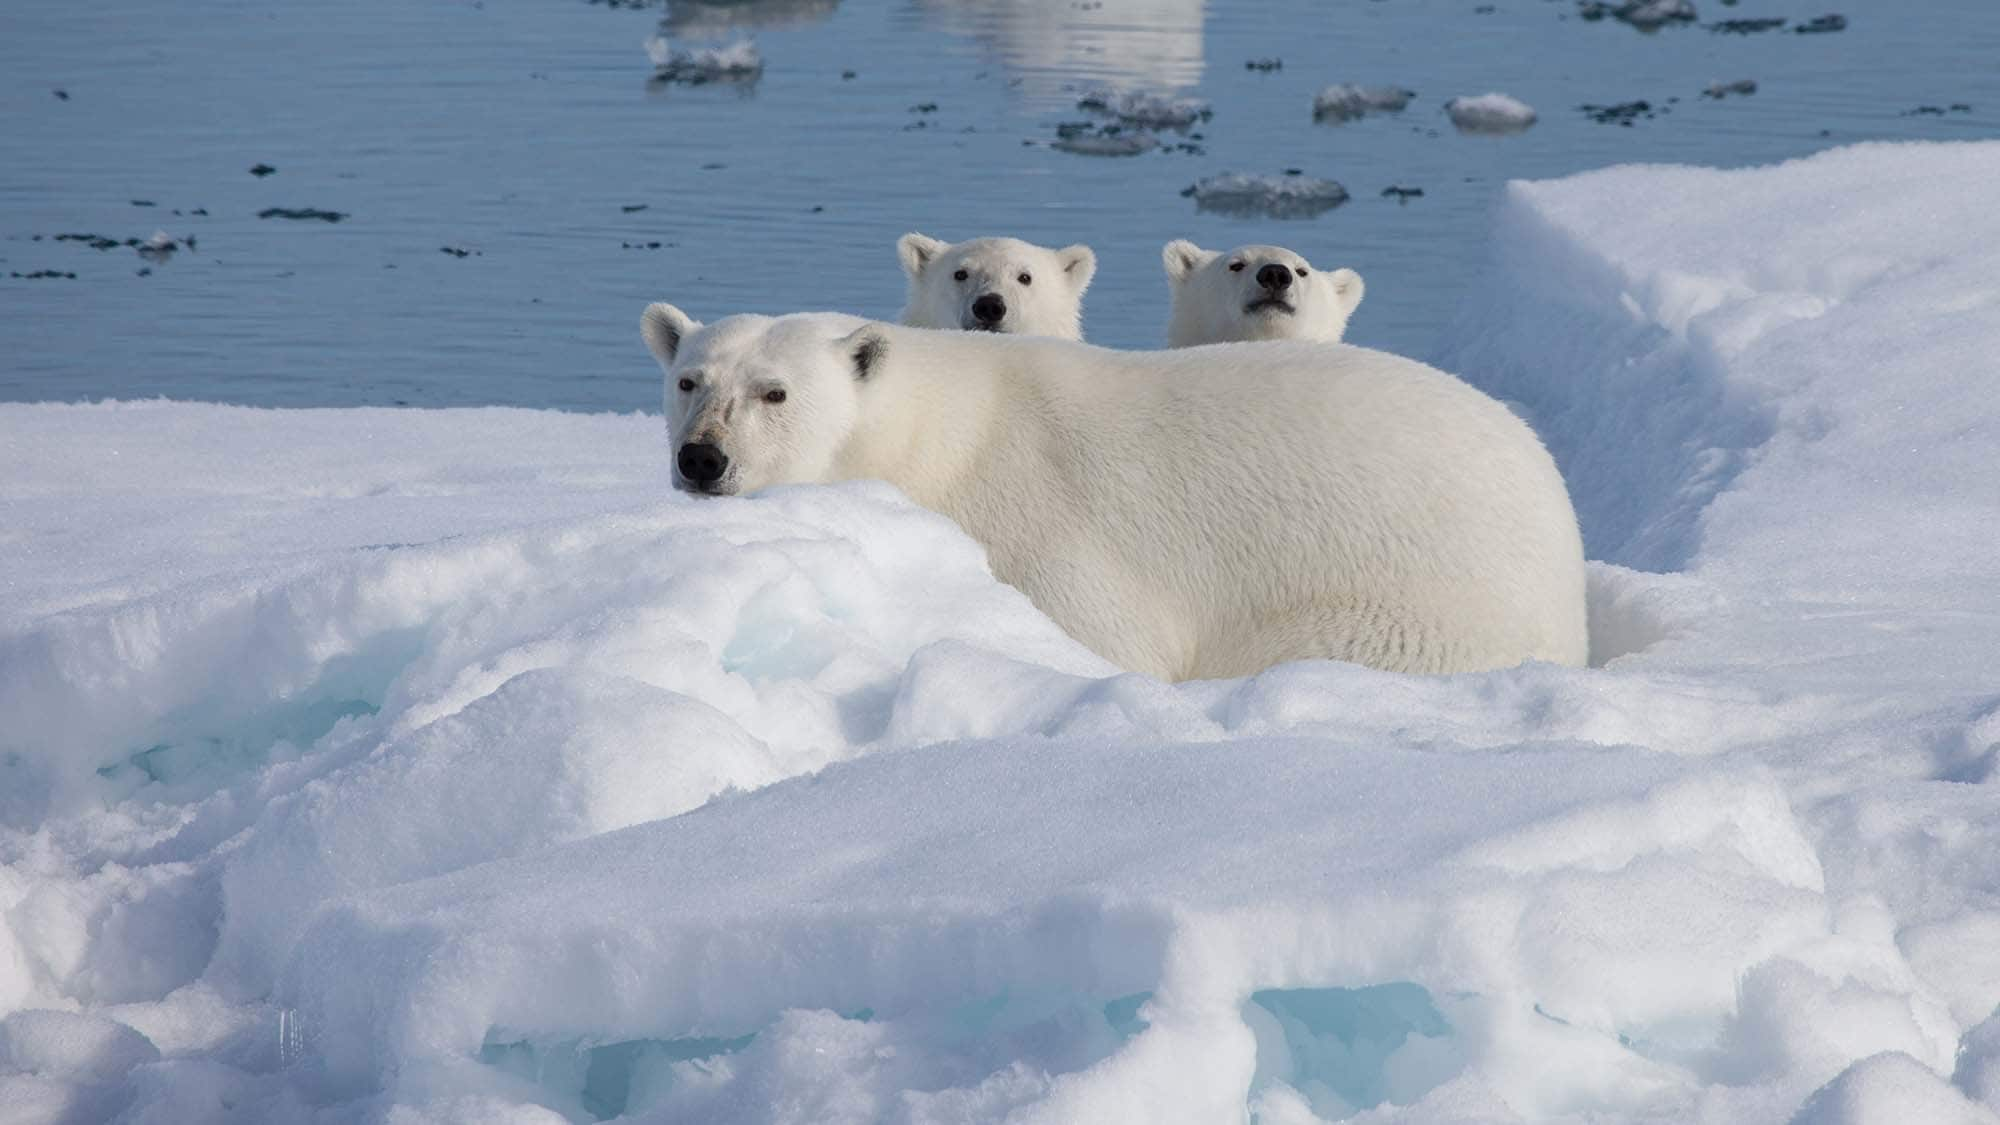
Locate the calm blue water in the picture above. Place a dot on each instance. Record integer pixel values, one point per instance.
(521, 131)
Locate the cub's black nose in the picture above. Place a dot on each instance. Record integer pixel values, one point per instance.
(989, 309)
(1275, 278)
(702, 463)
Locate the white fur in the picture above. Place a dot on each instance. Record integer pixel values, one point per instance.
(1212, 303)
(1049, 303)
(1203, 513)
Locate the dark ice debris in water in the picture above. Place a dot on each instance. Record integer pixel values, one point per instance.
(1745, 27)
(304, 213)
(924, 107)
(1936, 110)
(1147, 111)
(640, 245)
(631, 207)
(1832, 21)
(1623, 113)
(61, 96)
(1264, 66)
(1402, 194)
(261, 170)
(847, 76)
(43, 275)
(144, 203)
(161, 246)
(734, 62)
(459, 252)
(1724, 89)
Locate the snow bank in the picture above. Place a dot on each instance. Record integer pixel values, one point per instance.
(445, 766)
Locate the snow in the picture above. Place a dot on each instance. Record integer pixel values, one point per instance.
(1489, 113)
(445, 766)
(1347, 102)
(1290, 196)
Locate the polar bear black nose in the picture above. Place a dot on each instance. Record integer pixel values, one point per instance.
(989, 309)
(1275, 278)
(702, 463)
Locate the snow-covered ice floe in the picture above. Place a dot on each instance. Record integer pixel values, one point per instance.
(1293, 195)
(1147, 110)
(1347, 102)
(1493, 114)
(696, 66)
(446, 766)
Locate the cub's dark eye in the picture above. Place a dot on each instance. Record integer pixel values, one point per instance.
(687, 384)
(1302, 270)
(774, 396)
(1236, 267)
(961, 275)
(1025, 279)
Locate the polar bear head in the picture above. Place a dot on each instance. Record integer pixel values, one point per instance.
(996, 285)
(754, 401)
(1254, 293)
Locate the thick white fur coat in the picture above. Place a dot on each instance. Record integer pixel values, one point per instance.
(1198, 513)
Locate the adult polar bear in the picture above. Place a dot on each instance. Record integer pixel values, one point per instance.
(1200, 513)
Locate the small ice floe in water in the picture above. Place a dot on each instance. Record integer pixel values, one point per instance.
(304, 214)
(1746, 27)
(159, 247)
(1720, 90)
(1264, 66)
(1146, 111)
(1293, 195)
(1819, 24)
(1490, 113)
(1086, 139)
(731, 62)
(1645, 14)
(1621, 113)
(1347, 101)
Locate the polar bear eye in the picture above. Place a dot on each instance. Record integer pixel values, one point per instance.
(1025, 279)
(774, 395)
(687, 384)
(1302, 270)
(960, 275)
(1236, 267)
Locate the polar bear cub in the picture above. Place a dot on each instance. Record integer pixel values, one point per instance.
(1254, 293)
(996, 285)
(1186, 514)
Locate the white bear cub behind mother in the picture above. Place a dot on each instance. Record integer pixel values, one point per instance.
(996, 285)
(1199, 513)
(1254, 293)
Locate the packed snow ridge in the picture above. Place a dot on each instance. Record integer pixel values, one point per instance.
(447, 767)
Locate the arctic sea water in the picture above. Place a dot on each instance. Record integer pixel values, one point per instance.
(511, 189)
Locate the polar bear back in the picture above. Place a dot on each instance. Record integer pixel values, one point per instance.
(1211, 511)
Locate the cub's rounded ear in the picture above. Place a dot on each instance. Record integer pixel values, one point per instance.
(864, 348)
(664, 327)
(1347, 288)
(1079, 264)
(917, 251)
(1182, 257)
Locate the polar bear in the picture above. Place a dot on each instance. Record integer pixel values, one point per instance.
(996, 285)
(1199, 513)
(1254, 293)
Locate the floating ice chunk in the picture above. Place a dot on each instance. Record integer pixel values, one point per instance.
(1646, 14)
(731, 62)
(1147, 111)
(1111, 140)
(1833, 21)
(1490, 113)
(1293, 195)
(1347, 101)
(1744, 86)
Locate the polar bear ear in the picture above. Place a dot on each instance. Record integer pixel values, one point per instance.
(664, 327)
(1079, 264)
(1182, 258)
(1347, 289)
(917, 251)
(864, 347)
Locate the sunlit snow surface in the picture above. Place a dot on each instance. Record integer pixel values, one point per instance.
(444, 766)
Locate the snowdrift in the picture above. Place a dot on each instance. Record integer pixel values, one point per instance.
(444, 766)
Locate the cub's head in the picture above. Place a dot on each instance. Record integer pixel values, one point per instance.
(1254, 293)
(996, 285)
(756, 401)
